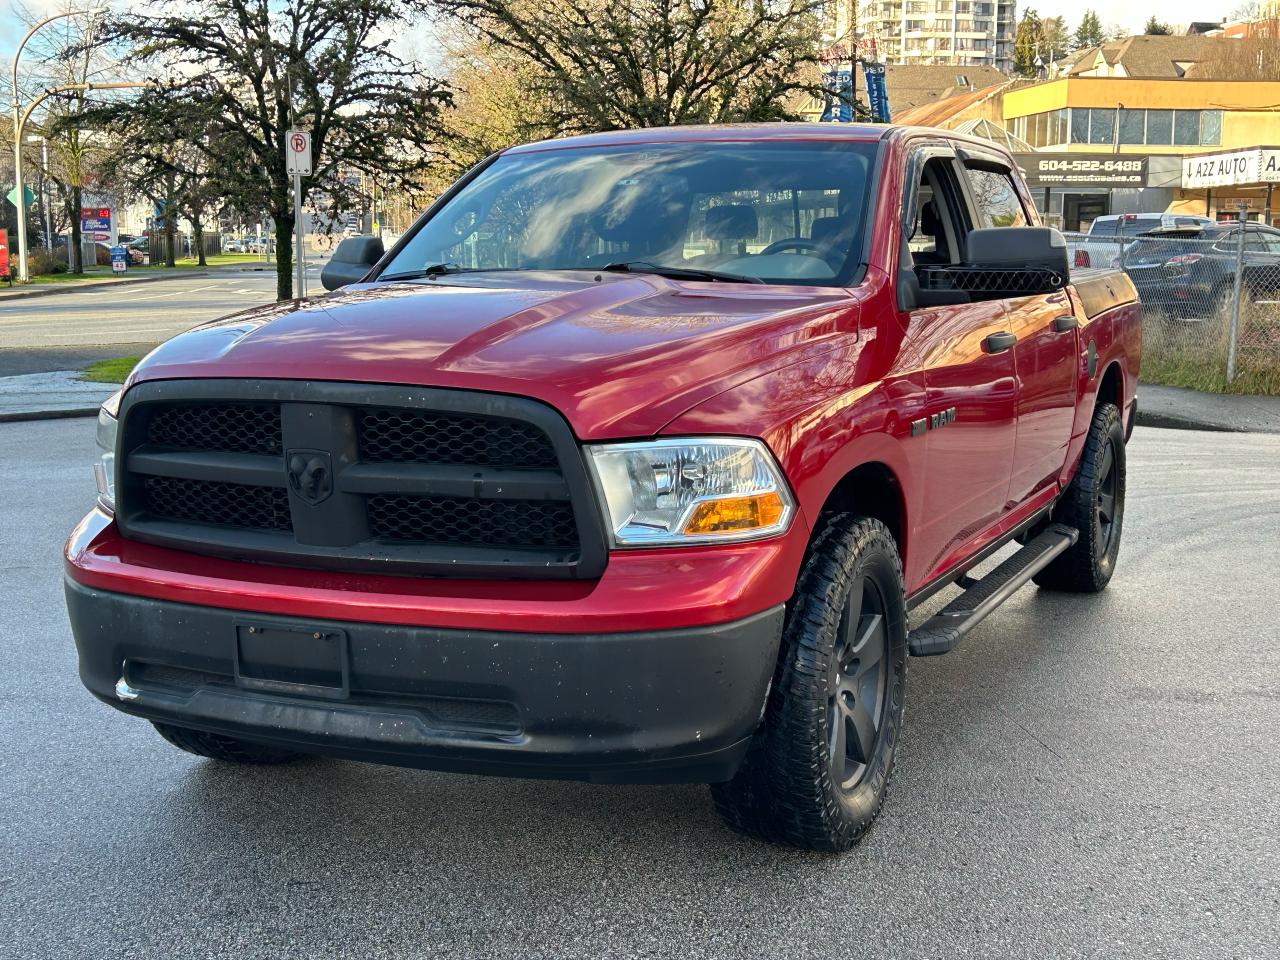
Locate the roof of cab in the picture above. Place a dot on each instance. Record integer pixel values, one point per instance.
(711, 133)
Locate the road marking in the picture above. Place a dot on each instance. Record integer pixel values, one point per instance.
(170, 293)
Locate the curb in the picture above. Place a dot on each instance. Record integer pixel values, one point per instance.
(24, 416)
(53, 288)
(1167, 421)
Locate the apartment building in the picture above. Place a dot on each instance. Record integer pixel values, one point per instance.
(955, 32)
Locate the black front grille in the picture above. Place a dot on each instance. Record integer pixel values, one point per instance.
(218, 503)
(518, 523)
(408, 436)
(357, 477)
(229, 427)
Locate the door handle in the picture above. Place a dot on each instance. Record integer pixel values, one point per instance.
(1066, 322)
(999, 342)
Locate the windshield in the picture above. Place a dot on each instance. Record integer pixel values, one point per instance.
(778, 212)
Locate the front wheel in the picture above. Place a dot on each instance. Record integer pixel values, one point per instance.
(1094, 505)
(817, 772)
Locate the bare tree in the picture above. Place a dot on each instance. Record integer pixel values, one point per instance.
(645, 63)
(256, 68)
(1255, 57)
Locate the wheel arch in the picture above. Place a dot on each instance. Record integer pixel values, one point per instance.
(1111, 386)
(871, 489)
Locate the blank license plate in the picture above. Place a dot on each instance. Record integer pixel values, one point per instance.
(310, 661)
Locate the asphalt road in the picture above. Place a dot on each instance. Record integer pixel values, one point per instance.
(66, 330)
(1083, 777)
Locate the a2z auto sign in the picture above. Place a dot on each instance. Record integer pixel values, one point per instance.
(1082, 170)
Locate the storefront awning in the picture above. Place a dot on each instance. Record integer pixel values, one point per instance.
(1255, 166)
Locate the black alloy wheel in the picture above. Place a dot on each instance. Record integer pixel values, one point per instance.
(818, 768)
(1105, 508)
(859, 672)
(1094, 504)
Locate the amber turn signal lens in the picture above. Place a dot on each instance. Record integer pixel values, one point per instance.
(736, 513)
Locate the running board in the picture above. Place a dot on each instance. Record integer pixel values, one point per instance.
(947, 627)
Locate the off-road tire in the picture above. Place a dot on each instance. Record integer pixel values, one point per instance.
(217, 747)
(1087, 566)
(785, 791)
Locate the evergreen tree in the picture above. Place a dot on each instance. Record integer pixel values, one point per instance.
(1089, 33)
(1028, 43)
(1155, 28)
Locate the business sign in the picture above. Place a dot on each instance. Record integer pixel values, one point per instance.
(119, 258)
(1240, 167)
(4, 253)
(297, 153)
(877, 96)
(96, 220)
(837, 86)
(1083, 170)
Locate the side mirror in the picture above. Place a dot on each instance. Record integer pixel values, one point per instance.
(351, 261)
(1002, 262)
(1031, 250)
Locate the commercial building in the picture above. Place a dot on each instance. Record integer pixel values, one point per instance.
(955, 32)
(1153, 122)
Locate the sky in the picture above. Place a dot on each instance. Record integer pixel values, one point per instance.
(1131, 15)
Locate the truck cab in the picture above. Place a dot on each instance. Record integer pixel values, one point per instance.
(628, 463)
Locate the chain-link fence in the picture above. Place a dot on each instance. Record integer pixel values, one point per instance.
(1211, 302)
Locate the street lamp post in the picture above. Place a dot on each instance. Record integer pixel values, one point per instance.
(18, 119)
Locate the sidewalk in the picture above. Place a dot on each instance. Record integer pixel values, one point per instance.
(106, 280)
(43, 396)
(48, 396)
(1184, 409)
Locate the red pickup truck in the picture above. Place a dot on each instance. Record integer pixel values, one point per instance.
(626, 463)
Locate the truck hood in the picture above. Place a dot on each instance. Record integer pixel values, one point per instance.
(619, 356)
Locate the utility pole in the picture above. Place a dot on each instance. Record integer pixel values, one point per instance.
(853, 58)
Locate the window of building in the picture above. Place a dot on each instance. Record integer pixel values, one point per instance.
(1133, 126)
(1102, 122)
(1210, 127)
(1080, 125)
(997, 200)
(1186, 127)
(1159, 127)
(915, 26)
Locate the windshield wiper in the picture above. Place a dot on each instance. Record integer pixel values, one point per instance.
(435, 270)
(676, 273)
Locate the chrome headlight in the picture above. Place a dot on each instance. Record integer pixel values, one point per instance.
(695, 490)
(104, 468)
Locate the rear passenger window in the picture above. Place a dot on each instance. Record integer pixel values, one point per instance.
(997, 200)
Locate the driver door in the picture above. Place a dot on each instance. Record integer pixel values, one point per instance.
(969, 423)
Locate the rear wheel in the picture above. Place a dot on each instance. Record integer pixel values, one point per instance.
(818, 770)
(1094, 505)
(217, 747)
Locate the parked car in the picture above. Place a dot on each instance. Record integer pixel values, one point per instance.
(1189, 274)
(542, 495)
(233, 246)
(1109, 234)
(139, 249)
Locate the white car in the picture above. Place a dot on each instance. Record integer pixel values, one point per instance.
(1109, 234)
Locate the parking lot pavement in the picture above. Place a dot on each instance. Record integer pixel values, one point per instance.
(1083, 777)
